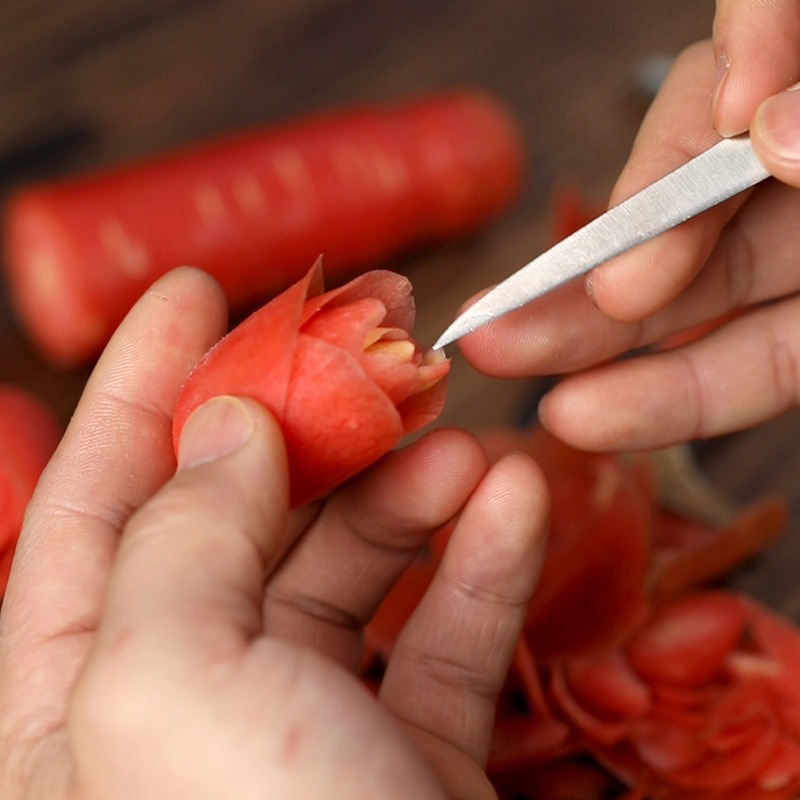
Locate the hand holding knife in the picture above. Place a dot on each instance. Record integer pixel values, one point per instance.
(725, 169)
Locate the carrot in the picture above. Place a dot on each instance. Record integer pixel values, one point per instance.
(358, 185)
(28, 436)
(338, 370)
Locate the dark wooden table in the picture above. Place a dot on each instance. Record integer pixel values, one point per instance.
(88, 82)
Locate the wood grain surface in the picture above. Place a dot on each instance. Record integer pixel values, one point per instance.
(85, 83)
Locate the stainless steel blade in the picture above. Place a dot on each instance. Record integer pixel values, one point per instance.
(720, 172)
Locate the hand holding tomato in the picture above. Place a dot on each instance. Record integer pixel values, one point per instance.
(736, 263)
(182, 634)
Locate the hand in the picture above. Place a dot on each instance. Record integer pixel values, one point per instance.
(737, 259)
(177, 634)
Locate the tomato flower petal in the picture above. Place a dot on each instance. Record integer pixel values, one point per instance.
(338, 370)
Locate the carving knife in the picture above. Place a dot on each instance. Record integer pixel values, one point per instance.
(725, 169)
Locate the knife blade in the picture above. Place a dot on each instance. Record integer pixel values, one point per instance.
(716, 174)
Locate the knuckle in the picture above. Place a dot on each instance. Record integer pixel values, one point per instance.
(783, 370)
(175, 501)
(687, 61)
(116, 709)
(739, 259)
(111, 708)
(317, 609)
(450, 672)
(172, 509)
(696, 405)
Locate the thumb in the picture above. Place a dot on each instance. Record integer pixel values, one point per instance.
(192, 562)
(775, 133)
(757, 49)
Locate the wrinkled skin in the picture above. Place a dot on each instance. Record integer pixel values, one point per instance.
(676, 693)
(179, 634)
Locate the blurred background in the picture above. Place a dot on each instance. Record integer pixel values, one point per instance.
(87, 83)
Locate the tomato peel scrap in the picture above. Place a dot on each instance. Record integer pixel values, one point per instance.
(631, 680)
(690, 695)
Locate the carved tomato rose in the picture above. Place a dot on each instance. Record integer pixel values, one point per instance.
(339, 370)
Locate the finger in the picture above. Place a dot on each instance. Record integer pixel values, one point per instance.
(677, 127)
(116, 452)
(459, 775)
(776, 135)
(754, 260)
(368, 532)
(741, 375)
(560, 332)
(180, 658)
(451, 659)
(566, 330)
(189, 574)
(757, 49)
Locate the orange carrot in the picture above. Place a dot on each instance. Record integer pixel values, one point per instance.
(359, 186)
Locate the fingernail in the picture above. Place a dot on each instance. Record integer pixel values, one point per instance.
(778, 123)
(588, 286)
(723, 64)
(541, 412)
(213, 430)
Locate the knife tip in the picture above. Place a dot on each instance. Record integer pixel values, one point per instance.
(454, 331)
(474, 317)
(442, 342)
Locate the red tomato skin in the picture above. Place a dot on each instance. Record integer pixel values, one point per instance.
(333, 429)
(591, 589)
(608, 686)
(29, 434)
(255, 209)
(335, 419)
(688, 640)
